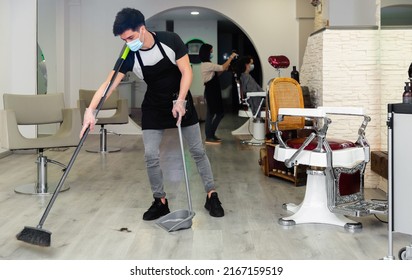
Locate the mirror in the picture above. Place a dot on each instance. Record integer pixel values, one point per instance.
(41, 72)
(46, 54)
(46, 47)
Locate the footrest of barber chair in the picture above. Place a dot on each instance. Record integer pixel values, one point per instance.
(362, 208)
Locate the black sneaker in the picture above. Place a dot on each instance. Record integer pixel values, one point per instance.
(157, 210)
(213, 204)
(217, 138)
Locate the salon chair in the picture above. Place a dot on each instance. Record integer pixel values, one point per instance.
(117, 109)
(255, 111)
(256, 123)
(335, 173)
(28, 110)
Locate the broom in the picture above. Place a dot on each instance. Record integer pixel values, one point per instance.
(37, 235)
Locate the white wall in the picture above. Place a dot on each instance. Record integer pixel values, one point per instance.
(23, 66)
(207, 32)
(5, 49)
(18, 50)
(4, 57)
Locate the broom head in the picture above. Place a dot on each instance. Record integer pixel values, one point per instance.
(35, 236)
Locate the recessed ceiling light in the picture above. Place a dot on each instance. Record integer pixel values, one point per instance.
(194, 13)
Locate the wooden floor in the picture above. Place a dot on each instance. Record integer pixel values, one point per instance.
(110, 192)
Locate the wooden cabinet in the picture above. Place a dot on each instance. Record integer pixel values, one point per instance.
(274, 168)
(379, 163)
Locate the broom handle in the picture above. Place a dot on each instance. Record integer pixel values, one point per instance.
(118, 64)
(189, 199)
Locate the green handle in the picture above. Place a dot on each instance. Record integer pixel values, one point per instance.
(125, 53)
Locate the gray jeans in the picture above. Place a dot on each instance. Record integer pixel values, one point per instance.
(191, 134)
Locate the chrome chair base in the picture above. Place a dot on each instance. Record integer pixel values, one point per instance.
(35, 189)
(41, 186)
(107, 150)
(103, 143)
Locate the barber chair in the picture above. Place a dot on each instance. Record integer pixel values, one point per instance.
(335, 173)
(255, 125)
(118, 117)
(28, 110)
(255, 111)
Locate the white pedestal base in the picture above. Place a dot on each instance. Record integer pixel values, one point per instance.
(314, 208)
(258, 137)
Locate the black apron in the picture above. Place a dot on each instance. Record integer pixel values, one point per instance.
(163, 83)
(213, 95)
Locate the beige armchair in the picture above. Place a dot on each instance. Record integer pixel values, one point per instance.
(22, 110)
(120, 115)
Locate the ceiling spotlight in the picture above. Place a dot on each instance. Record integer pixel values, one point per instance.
(194, 13)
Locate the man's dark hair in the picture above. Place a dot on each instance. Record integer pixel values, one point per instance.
(204, 52)
(127, 18)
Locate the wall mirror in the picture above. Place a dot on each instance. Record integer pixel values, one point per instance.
(46, 46)
(47, 70)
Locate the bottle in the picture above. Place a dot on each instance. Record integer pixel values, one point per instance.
(407, 95)
(295, 74)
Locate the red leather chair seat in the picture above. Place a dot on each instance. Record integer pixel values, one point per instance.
(335, 144)
(348, 183)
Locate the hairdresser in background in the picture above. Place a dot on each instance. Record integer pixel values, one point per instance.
(213, 92)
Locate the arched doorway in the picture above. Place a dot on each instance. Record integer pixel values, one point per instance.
(209, 26)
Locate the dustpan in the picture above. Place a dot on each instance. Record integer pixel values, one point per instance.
(176, 220)
(179, 219)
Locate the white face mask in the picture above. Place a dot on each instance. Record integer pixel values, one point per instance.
(252, 66)
(135, 45)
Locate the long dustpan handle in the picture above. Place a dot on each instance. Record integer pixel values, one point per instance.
(119, 63)
(189, 199)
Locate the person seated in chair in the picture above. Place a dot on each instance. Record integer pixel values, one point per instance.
(248, 84)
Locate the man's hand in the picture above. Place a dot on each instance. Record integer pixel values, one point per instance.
(88, 120)
(179, 109)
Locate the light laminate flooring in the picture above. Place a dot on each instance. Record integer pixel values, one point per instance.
(111, 191)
